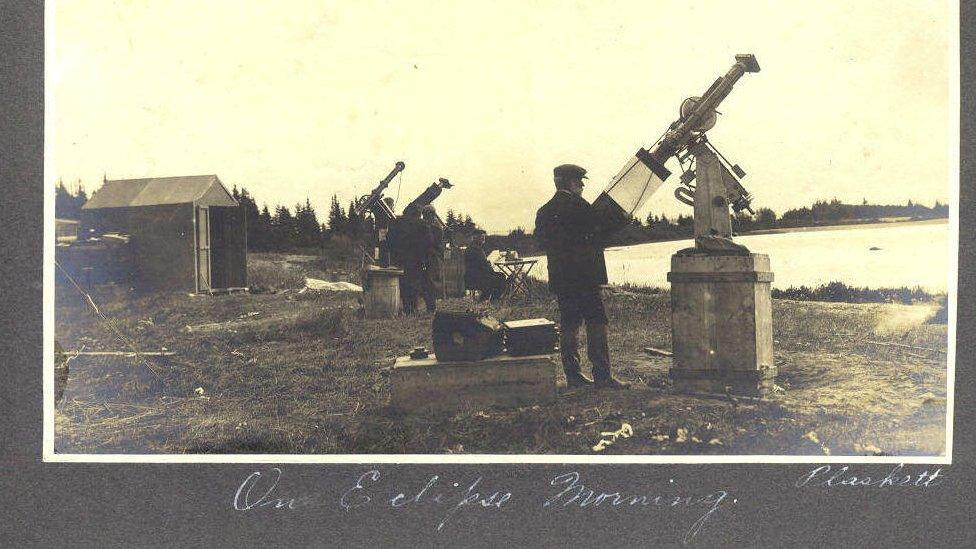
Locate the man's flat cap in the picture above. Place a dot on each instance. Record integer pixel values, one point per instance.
(569, 171)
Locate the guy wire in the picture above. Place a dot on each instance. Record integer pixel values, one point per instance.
(118, 334)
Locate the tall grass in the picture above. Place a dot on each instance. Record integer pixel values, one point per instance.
(265, 274)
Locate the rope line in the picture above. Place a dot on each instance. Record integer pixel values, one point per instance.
(118, 334)
(399, 184)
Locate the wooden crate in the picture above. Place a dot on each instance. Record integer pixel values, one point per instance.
(381, 297)
(426, 384)
(721, 321)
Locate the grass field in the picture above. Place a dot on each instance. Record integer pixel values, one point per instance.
(303, 372)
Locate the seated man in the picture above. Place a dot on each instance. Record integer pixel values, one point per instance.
(478, 273)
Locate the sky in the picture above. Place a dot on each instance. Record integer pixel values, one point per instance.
(308, 99)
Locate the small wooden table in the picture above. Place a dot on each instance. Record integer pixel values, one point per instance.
(516, 273)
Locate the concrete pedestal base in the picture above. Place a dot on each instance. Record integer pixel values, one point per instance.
(426, 384)
(721, 322)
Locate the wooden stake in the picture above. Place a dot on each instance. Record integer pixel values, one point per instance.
(903, 346)
(658, 352)
(120, 353)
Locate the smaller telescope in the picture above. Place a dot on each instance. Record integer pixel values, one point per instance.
(427, 197)
(373, 201)
(684, 139)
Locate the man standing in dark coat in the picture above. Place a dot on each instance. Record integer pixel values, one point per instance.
(431, 281)
(412, 245)
(570, 231)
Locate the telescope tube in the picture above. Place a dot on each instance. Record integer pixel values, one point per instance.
(644, 173)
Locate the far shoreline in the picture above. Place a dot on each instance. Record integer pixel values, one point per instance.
(932, 292)
(813, 228)
(937, 221)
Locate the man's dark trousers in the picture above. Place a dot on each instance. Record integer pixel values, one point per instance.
(428, 284)
(574, 309)
(410, 287)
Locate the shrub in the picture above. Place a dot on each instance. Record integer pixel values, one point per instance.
(842, 293)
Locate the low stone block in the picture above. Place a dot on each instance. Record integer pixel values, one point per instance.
(427, 384)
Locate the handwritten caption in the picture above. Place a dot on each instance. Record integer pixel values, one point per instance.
(560, 493)
(563, 492)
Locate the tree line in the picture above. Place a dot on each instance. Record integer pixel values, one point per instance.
(287, 231)
(68, 203)
(284, 229)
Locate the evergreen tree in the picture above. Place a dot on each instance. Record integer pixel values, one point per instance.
(765, 217)
(283, 229)
(358, 226)
(742, 221)
(337, 218)
(64, 203)
(307, 230)
(257, 236)
(67, 204)
(451, 221)
(80, 196)
(265, 227)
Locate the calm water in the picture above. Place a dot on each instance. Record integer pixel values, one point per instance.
(909, 255)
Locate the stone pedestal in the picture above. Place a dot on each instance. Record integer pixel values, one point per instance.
(427, 384)
(721, 322)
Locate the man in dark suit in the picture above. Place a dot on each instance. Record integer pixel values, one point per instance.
(573, 237)
(431, 281)
(412, 245)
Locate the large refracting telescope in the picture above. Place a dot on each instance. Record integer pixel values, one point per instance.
(645, 172)
(721, 305)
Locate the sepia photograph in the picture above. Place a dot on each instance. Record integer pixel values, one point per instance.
(508, 232)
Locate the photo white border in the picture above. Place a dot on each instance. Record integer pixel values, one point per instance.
(49, 455)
